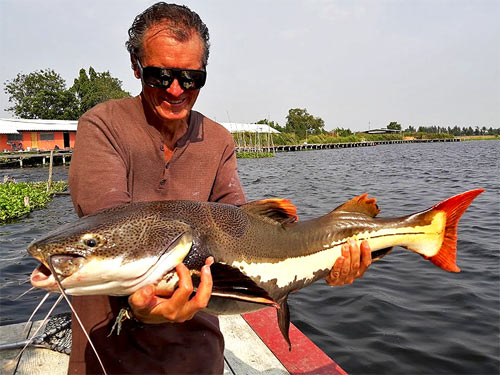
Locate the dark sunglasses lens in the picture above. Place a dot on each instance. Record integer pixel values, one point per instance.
(163, 77)
(192, 79)
(157, 77)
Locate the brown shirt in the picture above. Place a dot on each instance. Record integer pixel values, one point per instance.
(119, 158)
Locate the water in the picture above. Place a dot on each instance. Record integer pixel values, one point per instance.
(405, 315)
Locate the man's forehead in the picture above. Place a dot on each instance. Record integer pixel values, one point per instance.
(168, 31)
(160, 46)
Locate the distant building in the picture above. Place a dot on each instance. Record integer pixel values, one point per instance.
(43, 135)
(235, 127)
(23, 134)
(382, 131)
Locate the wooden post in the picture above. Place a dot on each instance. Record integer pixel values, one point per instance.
(51, 162)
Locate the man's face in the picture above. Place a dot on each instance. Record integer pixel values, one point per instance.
(161, 50)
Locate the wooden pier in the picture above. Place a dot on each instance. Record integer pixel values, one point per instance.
(253, 346)
(327, 146)
(21, 159)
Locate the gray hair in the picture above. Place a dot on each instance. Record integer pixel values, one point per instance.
(178, 20)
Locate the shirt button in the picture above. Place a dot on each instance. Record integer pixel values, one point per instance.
(166, 165)
(162, 148)
(162, 182)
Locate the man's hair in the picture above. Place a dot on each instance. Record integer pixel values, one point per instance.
(178, 20)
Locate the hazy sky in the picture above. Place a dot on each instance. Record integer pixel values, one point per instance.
(353, 63)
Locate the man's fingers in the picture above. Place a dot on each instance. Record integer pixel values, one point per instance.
(346, 253)
(200, 300)
(366, 257)
(142, 302)
(337, 268)
(355, 255)
(185, 286)
(149, 308)
(333, 277)
(143, 298)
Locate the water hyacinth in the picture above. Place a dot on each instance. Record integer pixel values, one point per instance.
(18, 199)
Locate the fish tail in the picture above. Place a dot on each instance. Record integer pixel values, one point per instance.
(453, 208)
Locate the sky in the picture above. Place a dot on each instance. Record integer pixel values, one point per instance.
(355, 64)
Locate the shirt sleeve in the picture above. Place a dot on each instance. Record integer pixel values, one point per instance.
(227, 187)
(98, 171)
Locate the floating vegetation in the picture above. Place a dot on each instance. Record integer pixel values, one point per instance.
(254, 154)
(19, 198)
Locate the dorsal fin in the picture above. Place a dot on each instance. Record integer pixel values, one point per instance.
(280, 210)
(361, 204)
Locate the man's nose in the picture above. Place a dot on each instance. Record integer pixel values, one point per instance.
(175, 88)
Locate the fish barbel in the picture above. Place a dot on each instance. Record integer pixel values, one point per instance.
(261, 251)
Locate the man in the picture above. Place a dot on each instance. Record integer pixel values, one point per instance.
(155, 147)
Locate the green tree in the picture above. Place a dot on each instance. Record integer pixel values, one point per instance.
(300, 122)
(41, 94)
(341, 132)
(94, 88)
(410, 129)
(394, 125)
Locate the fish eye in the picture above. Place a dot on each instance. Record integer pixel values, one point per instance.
(90, 242)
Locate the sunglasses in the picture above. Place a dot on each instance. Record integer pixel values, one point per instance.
(162, 78)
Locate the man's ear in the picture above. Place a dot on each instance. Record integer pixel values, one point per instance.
(135, 67)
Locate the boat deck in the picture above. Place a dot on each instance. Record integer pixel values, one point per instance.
(253, 346)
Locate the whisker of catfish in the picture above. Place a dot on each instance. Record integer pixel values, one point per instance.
(33, 336)
(11, 259)
(36, 309)
(24, 293)
(56, 277)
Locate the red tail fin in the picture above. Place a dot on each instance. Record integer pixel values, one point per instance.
(454, 208)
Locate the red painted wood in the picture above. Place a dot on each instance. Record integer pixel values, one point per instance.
(305, 357)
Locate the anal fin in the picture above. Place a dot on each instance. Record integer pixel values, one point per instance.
(284, 321)
(230, 282)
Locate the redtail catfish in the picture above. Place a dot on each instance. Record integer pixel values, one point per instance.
(261, 252)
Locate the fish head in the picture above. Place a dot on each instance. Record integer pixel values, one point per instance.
(113, 252)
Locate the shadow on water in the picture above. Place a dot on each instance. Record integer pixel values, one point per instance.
(405, 315)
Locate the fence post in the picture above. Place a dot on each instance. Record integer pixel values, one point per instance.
(51, 162)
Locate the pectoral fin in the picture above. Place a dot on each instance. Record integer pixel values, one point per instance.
(230, 282)
(284, 321)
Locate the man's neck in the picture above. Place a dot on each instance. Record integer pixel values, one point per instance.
(171, 131)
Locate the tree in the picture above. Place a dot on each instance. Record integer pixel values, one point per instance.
(41, 95)
(96, 88)
(394, 125)
(300, 122)
(341, 132)
(410, 129)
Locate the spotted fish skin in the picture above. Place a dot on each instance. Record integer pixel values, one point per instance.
(261, 252)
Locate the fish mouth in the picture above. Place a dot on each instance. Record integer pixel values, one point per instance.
(64, 265)
(42, 278)
(81, 276)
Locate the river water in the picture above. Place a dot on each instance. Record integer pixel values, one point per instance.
(405, 316)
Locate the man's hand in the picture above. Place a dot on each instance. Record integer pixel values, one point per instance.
(150, 308)
(352, 264)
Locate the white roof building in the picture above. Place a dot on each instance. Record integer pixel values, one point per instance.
(13, 126)
(234, 127)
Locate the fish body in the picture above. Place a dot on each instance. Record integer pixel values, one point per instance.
(261, 251)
